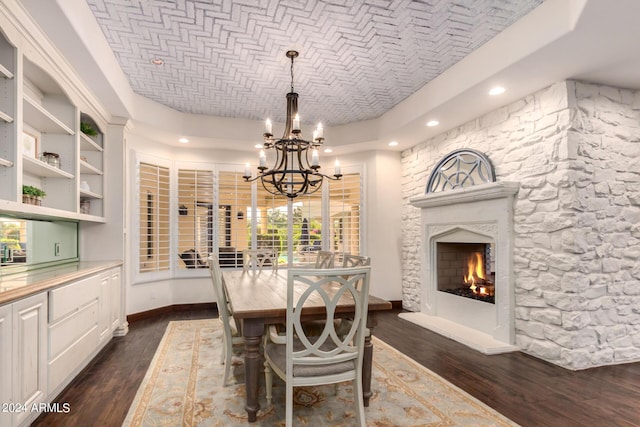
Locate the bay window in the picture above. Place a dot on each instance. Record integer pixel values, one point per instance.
(188, 211)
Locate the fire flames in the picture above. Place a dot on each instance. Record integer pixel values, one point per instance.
(475, 276)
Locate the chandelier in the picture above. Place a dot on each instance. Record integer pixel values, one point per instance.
(292, 173)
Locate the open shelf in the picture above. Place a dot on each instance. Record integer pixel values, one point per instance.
(26, 211)
(5, 117)
(41, 119)
(89, 195)
(4, 72)
(42, 169)
(88, 144)
(87, 169)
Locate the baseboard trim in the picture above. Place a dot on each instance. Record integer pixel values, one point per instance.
(169, 309)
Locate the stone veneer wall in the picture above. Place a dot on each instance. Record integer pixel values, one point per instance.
(575, 149)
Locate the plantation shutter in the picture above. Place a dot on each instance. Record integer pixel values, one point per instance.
(196, 213)
(153, 192)
(344, 207)
(233, 227)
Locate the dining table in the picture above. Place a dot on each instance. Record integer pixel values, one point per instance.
(258, 298)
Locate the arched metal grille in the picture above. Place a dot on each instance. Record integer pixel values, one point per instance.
(460, 168)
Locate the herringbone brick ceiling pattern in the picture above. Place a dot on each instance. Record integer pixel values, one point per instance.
(358, 58)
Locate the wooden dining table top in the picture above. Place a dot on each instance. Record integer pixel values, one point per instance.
(263, 294)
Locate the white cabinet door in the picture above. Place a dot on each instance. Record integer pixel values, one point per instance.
(29, 352)
(104, 313)
(6, 345)
(115, 297)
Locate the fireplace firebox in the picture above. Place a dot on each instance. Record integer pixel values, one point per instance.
(466, 270)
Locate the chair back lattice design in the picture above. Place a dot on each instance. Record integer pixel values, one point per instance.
(259, 259)
(325, 259)
(331, 287)
(355, 261)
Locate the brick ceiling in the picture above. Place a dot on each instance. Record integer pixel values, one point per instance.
(358, 59)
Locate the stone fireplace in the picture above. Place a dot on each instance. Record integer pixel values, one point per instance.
(567, 250)
(455, 225)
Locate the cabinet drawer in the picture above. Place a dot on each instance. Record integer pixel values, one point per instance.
(70, 329)
(70, 298)
(72, 359)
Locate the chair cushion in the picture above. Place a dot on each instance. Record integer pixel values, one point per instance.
(277, 353)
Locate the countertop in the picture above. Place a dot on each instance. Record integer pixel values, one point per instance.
(23, 284)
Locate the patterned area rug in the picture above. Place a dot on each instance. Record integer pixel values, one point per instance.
(183, 388)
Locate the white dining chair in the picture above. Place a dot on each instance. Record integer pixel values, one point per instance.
(325, 259)
(329, 358)
(259, 259)
(349, 260)
(230, 336)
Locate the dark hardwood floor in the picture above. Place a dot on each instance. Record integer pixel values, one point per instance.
(527, 390)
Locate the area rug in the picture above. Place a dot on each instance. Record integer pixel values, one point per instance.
(183, 387)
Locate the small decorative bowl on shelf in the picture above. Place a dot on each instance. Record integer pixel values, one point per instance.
(52, 159)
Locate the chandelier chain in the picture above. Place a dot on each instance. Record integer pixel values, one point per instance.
(292, 74)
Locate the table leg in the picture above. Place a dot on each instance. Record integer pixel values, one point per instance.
(367, 364)
(367, 360)
(252, 330)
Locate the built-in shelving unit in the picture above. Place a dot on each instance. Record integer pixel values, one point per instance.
(49, 121)
(8, 147)
(91, 167)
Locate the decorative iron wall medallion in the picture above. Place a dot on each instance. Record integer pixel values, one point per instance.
(460, 168)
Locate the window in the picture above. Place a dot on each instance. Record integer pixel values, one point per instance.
(184, 212)
(234, 223)
(272, 223)
(195, 217)
(154, 218)
(307, 228)
(344, 207)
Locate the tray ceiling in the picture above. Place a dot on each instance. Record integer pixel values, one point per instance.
(358, 59)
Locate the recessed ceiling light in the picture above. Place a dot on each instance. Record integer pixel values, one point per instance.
(328, 150)
(183, 140)
(498, 90)
(393, 143)
(157, 61)
(258, 146)
(432, 123)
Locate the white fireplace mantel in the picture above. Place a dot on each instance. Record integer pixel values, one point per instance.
(489, 191)
(482, 213)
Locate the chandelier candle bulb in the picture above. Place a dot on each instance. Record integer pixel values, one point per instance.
(315, 159)
(296, 123)
(268, 127)
(336, 171)
(263, 159)
(320, 131)
(247, 170)
(315, 135)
